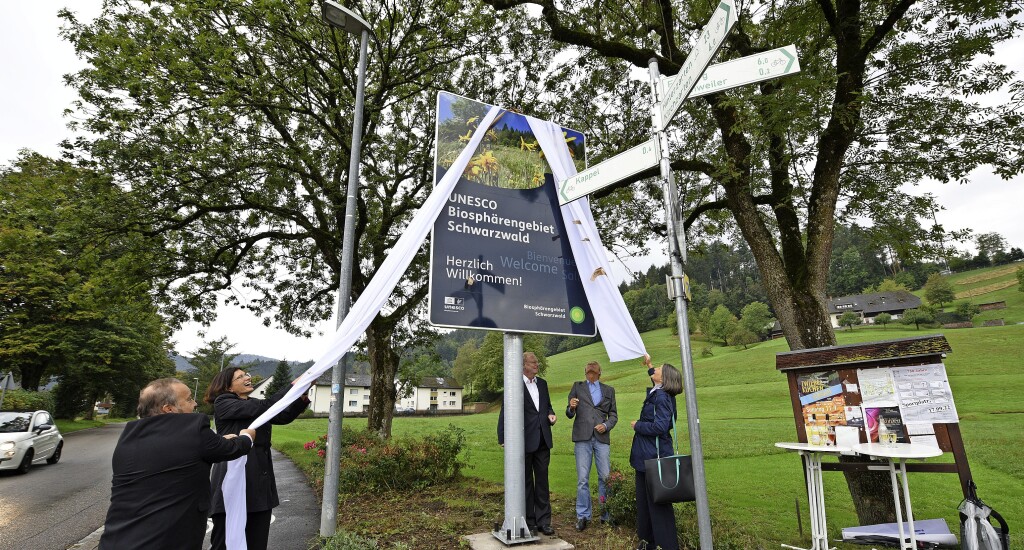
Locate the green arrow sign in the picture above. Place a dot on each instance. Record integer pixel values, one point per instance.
(710, 39)
(745, 70)
(621, 166)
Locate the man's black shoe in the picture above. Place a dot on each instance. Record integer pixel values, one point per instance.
(581, 524)
(547, 530)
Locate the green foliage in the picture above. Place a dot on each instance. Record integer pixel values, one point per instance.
(967, 310)
(282, 377)
(703, 320)
(742, 337)
(75, 292)
(883, 319)
(849, 319)
(370, 464)
(892, 285)
(648, 306)
(917, 317)
(621, 496)
(21, 400)
(757, 319)
(938, 290)
(722, 324)
(483, 369)
(211, 357)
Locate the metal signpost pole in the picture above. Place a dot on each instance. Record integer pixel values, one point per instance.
(677, 255)
(344, 19)
(514, 530)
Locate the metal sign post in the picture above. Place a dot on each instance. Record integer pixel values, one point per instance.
(514, 530)
(677, 255)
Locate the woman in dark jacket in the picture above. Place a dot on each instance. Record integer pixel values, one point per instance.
(233, 410)
(655, 523)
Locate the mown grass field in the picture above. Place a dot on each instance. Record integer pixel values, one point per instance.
(979, 280)
(744, 409)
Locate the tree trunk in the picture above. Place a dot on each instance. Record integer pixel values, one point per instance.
(383, 369)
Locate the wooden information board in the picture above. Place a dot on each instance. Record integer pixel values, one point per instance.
(899, 384)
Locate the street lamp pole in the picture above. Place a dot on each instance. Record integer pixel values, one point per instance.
(344, 19)
(195, 394)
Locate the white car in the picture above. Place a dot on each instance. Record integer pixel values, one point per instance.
(27, 438)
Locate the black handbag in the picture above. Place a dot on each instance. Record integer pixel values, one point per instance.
(669, 478)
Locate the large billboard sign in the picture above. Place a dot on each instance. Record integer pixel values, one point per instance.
(499, 258)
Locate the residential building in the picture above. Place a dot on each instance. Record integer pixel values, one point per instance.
(868, 306)
(433, 394)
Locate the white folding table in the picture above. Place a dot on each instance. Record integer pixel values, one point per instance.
(900, 452)
(815, 489)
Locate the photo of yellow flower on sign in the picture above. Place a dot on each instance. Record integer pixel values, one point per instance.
(509, 156)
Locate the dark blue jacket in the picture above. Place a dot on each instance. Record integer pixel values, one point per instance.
(655, 424)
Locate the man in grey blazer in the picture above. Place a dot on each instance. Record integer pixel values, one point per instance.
(592, 404)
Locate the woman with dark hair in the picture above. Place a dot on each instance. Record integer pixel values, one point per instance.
(233, 410)
(655, 523)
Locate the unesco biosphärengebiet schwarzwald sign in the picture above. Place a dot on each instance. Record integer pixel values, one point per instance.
(499, 258)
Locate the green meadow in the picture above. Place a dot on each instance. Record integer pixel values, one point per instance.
(744, 409)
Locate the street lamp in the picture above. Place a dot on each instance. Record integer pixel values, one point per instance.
(344, 19)
(195, 394)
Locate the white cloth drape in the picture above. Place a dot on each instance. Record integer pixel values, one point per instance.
(363, 311)
(621, 339)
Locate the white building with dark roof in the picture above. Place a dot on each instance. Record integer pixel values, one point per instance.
(868, 306)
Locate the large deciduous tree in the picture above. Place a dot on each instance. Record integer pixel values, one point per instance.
(888, 95)
(75, 297)
(232, 121)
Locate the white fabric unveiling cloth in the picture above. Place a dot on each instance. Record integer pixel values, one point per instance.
(621, 339)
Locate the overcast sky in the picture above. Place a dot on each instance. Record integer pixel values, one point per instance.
(33, 60)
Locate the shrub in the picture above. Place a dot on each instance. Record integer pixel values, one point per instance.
(21, 400)
(371, 464)
(620, 502)
(706, 351)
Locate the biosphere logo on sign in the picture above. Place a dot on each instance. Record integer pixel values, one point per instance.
(577, 315)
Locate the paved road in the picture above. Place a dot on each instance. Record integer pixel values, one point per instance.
(56, 506)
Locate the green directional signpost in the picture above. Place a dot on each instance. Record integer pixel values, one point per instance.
(743, 71)
(717, 78)
(625, 164)
(665, 105)
(695, 78)
(710, 39)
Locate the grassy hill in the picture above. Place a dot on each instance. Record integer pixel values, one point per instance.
(990, 284)
(744, 409)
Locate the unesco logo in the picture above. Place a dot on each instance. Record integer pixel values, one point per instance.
(451, 303)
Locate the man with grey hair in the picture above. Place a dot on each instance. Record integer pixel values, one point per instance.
(160, 492)
(538, 417)
(592, 406)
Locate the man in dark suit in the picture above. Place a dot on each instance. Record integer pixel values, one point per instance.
(592, 404)
(538, 417)
(160, 493)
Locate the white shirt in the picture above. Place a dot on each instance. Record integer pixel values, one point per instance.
(531, 388)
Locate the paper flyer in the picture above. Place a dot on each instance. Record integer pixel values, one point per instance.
(821, 394)
(924, 394)
(890, 416)
(877, 388)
